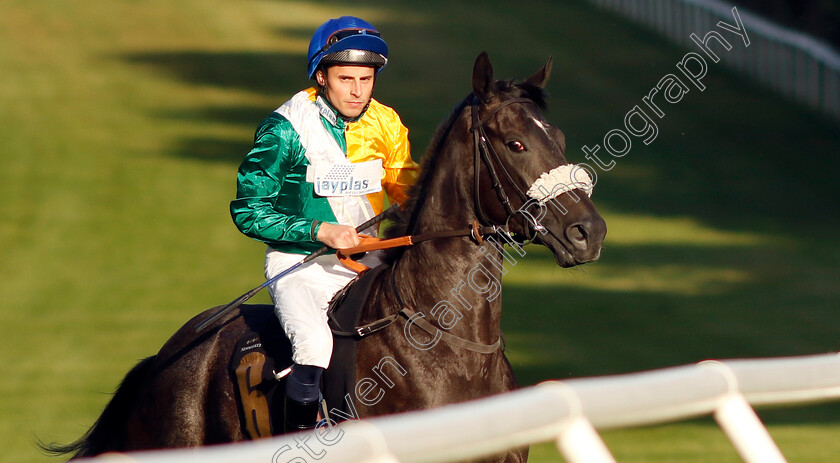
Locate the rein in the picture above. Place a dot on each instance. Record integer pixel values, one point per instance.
(370, 243)
(485, 153)
(416, 318)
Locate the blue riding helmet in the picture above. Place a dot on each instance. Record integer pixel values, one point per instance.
(346, 40)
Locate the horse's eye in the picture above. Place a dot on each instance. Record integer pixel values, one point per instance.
(516, 146)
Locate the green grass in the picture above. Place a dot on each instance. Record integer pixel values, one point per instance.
(122, 126)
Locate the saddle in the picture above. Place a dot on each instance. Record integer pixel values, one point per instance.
(261, 360)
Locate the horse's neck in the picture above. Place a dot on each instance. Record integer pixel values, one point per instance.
(454, 284)
(452, 278)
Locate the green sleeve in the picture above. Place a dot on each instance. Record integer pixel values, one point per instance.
(256, 210)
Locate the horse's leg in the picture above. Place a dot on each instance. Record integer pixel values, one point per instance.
(410, 379)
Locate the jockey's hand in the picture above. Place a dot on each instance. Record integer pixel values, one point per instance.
(338, 236)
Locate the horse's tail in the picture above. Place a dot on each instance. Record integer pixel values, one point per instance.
(108, 433)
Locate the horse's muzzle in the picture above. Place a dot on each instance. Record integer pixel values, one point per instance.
(585, 237)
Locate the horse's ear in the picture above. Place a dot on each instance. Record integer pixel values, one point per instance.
(540, 78)
(482, 79)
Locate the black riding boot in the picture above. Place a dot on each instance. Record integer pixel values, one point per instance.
(303, 394)
(299, 416)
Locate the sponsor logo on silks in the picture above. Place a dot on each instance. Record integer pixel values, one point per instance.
(355, 179)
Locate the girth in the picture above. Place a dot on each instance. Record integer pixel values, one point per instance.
(417, 319)
(485, 153)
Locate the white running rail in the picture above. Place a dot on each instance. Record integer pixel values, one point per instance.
(565, 412)
(787, 61)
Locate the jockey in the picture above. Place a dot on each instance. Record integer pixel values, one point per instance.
(320, 166)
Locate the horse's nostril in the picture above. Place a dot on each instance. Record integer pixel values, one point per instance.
(576, 234)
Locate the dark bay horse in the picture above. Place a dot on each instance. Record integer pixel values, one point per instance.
(494, 146)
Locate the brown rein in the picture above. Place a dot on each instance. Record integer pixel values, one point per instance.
(370, 243)
(483, 152)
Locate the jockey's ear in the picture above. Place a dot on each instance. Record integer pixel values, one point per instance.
(321, 77)
(540, 78)
(482, 80)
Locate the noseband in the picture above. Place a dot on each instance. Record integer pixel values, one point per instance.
(485, 153)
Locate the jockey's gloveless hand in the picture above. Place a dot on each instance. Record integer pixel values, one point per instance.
(338, 236)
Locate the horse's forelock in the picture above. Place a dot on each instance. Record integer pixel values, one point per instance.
(524, 90)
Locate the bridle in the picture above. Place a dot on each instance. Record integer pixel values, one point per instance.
(485, 153)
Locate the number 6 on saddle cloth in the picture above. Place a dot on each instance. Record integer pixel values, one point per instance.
(259, 357)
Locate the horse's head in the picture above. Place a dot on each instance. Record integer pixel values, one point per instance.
(524, 179)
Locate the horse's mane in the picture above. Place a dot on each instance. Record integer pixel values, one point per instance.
(403, 222)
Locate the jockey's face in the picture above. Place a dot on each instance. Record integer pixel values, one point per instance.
(347, 88)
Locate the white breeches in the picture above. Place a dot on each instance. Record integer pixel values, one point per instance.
(301, 299)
